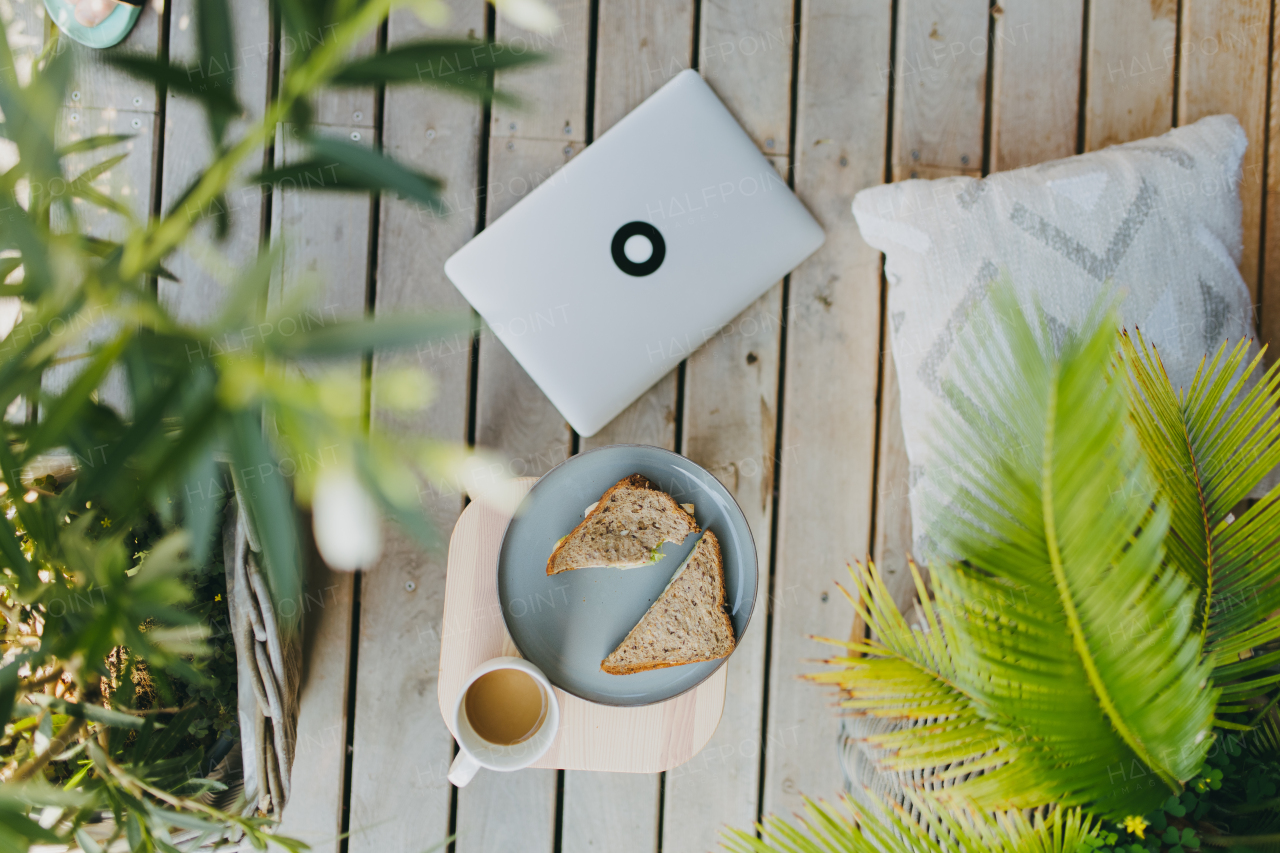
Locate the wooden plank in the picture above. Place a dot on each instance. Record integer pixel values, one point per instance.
(1269, 321)
(507, 811)
(940, 79)
(341, 106)
(204, 273)
(730, 423)
(614, 812)
(516, 811)
(1223, 69)
(324, 265)
(752, 41)
(324, 237)
(1129, 89)
(1035, 98)
(97, 85)
(553, 95)
(400, 796)
(645, 45)
(829, 412)
(731, 397)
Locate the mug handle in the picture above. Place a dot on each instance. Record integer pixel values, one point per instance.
(463, 769)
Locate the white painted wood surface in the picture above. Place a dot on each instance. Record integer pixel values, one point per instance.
(610, 812)
(1035, 100)
(527, 144)
(1132, 46)
(940, 78)
(1036, 103)
(99, 86)
(827, 447)
(1129, 90)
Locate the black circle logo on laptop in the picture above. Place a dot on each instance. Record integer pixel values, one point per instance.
(629, 244)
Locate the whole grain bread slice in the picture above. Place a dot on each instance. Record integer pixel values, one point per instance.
(687, 623)
(624, 529)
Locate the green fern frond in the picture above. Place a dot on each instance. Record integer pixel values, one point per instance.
(910, 675)
(1208, 447)
(1078, 646)
(930, 828)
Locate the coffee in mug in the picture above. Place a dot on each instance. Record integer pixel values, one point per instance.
(506, 706)
(505, 718)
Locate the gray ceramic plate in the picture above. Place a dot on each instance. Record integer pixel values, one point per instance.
(566, 624)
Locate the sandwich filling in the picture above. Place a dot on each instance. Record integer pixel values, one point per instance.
(624, 529)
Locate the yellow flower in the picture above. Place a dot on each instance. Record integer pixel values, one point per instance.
(1136, 825)
(218, 597)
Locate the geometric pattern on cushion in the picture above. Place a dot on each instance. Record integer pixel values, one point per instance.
(1156, 222)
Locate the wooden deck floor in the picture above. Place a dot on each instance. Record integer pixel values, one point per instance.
(792, 405)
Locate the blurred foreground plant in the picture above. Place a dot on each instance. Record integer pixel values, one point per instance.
(148, 422)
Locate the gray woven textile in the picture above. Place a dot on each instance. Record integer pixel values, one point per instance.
(863, 781)
(268, 671)
(1156, 222)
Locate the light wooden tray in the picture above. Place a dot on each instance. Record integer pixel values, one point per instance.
(592, 737)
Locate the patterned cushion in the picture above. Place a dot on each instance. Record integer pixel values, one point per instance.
(1155, 221)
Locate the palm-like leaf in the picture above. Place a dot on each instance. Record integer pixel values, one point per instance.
(912, 677)
(1079, 646)
(1059, 662)
(931, 829)
(1209, 446)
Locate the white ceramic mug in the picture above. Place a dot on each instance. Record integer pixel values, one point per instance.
(475, 752)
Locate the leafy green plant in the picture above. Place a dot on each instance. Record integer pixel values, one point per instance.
(104, 567)
(926, 828)
(1101, 625)
(1042, 698)
(1207, 456)
(1235, 801)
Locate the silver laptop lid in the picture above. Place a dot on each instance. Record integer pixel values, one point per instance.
(635, 253)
